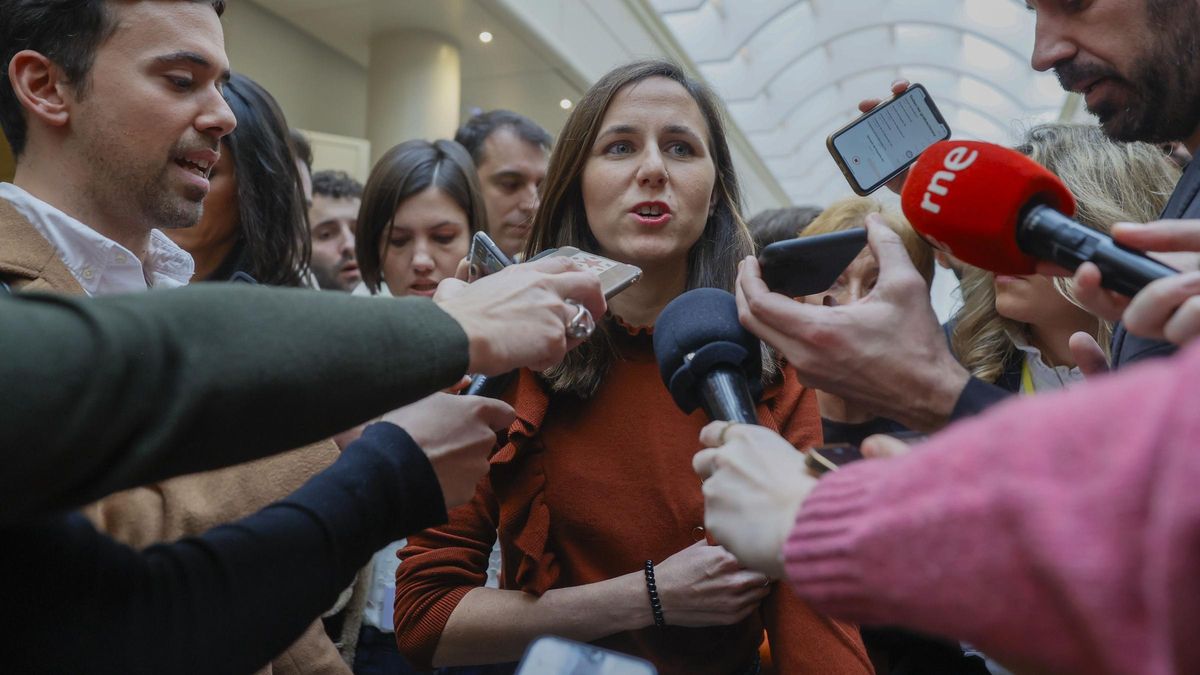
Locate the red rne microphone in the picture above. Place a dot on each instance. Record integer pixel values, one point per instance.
(997, 209)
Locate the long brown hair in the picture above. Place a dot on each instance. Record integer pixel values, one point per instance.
(562, 221)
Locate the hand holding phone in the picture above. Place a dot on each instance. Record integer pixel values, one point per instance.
(614, 276)
(809, 265)
(878, 146)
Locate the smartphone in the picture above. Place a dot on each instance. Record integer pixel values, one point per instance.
(549, 655)
(485, 257)
(825, 458)
(810, 265)
(880, 144)
(614, 276)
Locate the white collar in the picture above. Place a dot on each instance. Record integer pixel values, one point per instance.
(1045, 376)
(101, 265)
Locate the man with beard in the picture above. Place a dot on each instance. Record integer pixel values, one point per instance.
(1137, 62)
(1137, 65)
(332, 222)
(511, 153)
(112, 141)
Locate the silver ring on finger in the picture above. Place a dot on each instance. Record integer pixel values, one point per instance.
(582, 325)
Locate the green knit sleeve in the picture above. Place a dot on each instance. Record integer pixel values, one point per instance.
(103, 394)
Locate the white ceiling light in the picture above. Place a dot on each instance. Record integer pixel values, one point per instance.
(485, 37)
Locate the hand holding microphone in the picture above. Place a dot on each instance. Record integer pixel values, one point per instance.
(997, 209)
(706, 358)
(1167, 309)
(754, 483)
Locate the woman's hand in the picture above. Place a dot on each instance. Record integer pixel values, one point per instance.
(705, 585)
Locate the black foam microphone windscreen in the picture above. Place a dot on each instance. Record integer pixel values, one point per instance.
(706, 358)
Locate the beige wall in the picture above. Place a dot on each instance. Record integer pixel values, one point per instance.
(318, 88)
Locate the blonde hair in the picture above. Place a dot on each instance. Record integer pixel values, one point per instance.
(1112, 182)
(852, 212)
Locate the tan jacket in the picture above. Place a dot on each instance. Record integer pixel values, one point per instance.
(187, 505)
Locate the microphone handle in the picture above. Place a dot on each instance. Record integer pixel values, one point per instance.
(489, 387)
(725, 395)
(1047, 234)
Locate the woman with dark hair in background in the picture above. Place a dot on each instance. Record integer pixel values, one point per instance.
(420, 206)
(592, 491)
(254, 223)
(419, 209)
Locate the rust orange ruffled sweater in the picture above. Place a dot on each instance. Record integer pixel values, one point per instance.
(584, 491)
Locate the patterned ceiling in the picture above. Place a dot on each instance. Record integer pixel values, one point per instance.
(792, 71)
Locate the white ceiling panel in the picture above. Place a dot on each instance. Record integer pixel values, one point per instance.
(792, 71)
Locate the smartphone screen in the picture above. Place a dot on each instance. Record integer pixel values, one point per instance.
(881, 143)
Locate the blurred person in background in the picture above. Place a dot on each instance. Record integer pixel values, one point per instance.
(254, 225)
(419, 209)
(843, 421)
(1016, 332)
(333, 222)
(421, 205)
(893, 652)
(510, 152)
(772, 225)
(593, 479)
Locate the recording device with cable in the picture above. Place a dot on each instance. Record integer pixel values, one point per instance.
(706, 358)
(995, 208)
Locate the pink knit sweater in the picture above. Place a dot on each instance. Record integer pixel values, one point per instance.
(1057, 533)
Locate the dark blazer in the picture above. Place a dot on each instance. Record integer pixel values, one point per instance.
(1183, 204)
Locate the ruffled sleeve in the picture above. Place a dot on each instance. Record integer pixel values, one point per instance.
(442, 564)
(518, 480)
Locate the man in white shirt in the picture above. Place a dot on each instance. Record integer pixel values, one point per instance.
(115, 122)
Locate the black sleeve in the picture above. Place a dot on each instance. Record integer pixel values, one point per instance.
(1128, 348)
(99, 395)
(976, 397)
(224, 602)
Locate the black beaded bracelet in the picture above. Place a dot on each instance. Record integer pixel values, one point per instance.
(655, 603)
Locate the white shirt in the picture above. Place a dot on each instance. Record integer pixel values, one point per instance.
(101, 265)
(1045, 376)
